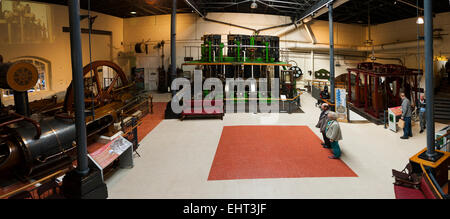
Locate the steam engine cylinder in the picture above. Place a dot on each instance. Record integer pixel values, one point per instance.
(22, 152)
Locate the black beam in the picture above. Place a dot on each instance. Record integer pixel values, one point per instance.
(320, 4)
(86, 31)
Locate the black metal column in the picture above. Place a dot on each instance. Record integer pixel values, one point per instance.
(78, 84)
(332, 70)
(21, 103)
(429, 77)
(83, 182)
(173, 39)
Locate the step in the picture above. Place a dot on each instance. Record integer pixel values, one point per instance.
(441, 113)
(442, 108)
(442, 101)
(442, 118)
(443, 104)
(444, 121)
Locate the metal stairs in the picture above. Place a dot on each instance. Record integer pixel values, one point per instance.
(442, 102)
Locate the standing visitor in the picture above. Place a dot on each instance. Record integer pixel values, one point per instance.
(334, 133)
(406, 116)
(322, 124)
(422, 115)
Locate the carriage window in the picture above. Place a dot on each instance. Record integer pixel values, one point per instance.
(43, 69)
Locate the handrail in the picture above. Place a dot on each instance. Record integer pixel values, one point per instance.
(328, 102)
(26, 119)
(54, 175)
(442, 137)
(431, 182)
(433, 179)
(291, 99)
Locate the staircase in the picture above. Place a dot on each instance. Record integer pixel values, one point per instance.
(442, 102)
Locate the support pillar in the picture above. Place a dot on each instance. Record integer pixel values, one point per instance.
(429, 77)
(350, 86)
(78, 84)
(173, 39)
(366, 93)
(83, 182)
(332, 70)
(357, 89)
(375, 97)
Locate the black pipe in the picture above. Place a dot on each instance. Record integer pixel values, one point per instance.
(332, 75)
(21, 103)
(234, 25)
(78, 83)
(276, 26)
(173, 40)
(429, 78)
(226, 23)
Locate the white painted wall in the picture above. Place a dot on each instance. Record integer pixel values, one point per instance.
(406, 30)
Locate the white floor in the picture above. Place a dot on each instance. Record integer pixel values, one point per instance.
(176, 158)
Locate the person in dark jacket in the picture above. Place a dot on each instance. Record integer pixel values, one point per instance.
(422, 115)
(324, 95)
(406, 116)
(322, 124)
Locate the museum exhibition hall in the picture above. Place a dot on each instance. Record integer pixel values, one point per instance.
(224, 100)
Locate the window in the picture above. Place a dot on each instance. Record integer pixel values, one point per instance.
(43, 68)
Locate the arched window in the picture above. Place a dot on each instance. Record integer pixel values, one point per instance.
(43, 67)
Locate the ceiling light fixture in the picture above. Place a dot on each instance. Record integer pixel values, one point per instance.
(254, 5)
(420, 20)
(133, 12)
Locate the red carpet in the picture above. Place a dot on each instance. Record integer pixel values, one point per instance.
(258, 152)
(150, 121)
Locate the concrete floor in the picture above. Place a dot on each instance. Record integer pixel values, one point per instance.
(176, 158)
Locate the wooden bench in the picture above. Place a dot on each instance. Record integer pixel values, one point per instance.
(427, 189)
(203, 113)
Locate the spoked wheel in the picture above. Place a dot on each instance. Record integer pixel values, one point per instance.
(98, 88)
(297, 71)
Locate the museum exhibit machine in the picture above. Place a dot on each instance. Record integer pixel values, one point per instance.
(35, 143)
(377, 87)
(247, 57)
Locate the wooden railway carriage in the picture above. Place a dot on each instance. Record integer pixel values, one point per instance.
(378, 87)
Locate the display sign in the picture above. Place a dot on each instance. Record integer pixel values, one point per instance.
(341, 104)
(394, 114)
(105, 155)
